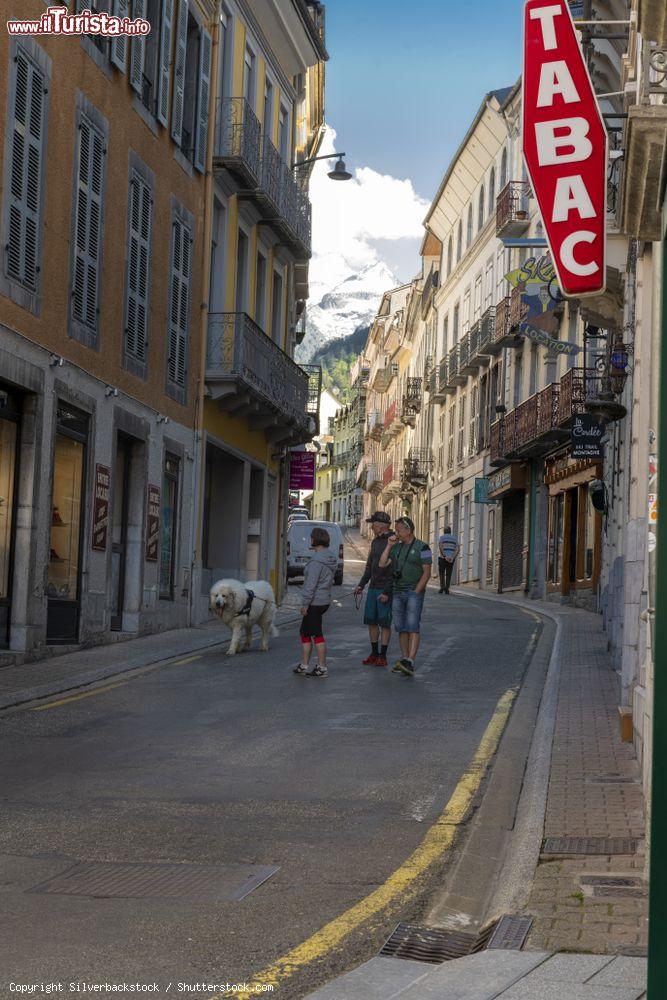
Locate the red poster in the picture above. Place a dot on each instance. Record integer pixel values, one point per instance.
(153, 523)
(565, 146)
(302, 470)
(101, 491)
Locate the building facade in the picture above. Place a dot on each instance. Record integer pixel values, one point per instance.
(102, 204)
(256, 401)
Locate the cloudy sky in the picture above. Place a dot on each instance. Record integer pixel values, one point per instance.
(403, 83)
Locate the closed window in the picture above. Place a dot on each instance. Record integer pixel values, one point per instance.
(480, 212)
(23, 212)
(469, 227)
(260, 291)
(268, 108)
(87, 236)
(466, 312)
(284, 134)
(492, 190)
(179, 307)
(277, 306)
(488, 285)
(249, 77)
(473, 439)
(477, 300)
(138, 270)
(191, 91)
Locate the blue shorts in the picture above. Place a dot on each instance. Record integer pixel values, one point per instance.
(377, 612)
(407, 610)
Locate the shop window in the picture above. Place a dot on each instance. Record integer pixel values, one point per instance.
(66, 507)
(168, 527)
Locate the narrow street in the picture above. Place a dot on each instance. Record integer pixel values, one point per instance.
(220, 761)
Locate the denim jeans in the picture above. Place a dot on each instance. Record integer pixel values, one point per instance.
(406, 610)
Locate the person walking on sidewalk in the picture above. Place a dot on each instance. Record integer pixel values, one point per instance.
(377, 609)
(449, 548)
(410, 560)
(318, 579)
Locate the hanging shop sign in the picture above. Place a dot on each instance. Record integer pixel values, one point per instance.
(101, 508)
(565, 146)
(153, 523)
(302, 470)
(512, 477)
(586, 437)
(546, 340)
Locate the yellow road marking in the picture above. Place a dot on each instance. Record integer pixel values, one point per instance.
(77, 697)
(188, 659)
(403, 882)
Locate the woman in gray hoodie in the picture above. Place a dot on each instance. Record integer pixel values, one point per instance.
(318, 580)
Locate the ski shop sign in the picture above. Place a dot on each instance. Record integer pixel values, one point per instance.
(565, 146)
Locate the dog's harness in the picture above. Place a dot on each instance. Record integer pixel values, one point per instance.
(250, 597)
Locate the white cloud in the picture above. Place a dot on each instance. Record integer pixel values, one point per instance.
(349, 216)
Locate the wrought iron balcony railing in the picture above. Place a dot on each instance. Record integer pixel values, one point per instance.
(512, 209)
(518, 309)
(237, 140)
(538, 423)
(454, 375)
(241, 359)
(417, 466)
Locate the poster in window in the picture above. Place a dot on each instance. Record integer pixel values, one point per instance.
(101, 508)
(153, 523)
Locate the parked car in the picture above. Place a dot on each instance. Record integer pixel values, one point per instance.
(299, 509)
(299, 515)
(299, 551)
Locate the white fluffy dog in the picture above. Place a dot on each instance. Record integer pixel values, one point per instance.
(242, 605)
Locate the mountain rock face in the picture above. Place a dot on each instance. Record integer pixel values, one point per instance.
(342, 301)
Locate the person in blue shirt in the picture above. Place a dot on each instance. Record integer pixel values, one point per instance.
(448, 550)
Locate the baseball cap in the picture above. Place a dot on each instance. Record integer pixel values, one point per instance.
(380, 516)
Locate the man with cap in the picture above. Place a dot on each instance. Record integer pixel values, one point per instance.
(377, 610)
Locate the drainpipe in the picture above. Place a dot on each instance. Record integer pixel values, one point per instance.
(657, 955)
(199, 467)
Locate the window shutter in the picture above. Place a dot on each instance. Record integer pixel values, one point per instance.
(119, 42)
(138, 269)
(138, 50)
(165, 61)
(203, 96)
(179, 71)
(179, 307)
(88, 225)
(27, 125)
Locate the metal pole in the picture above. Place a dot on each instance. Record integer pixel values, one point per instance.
(657, 953)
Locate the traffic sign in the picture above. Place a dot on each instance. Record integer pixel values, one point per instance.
(565, 146)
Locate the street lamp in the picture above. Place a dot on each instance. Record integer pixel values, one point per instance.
(339, 172)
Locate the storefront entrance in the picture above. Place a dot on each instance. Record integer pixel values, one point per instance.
(121, 503)
(573, 555)
(9, 460)
(512, 541)
(64, 573)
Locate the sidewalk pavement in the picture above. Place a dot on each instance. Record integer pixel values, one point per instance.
(58, 674)
(588, 896)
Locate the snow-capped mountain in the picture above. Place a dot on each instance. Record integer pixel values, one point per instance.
(342, 299)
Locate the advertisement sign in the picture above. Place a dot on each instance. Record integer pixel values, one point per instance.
(565, 146)
(101, 497)
(482, 491)
(153, 523)
(302, 470)
(586, 437)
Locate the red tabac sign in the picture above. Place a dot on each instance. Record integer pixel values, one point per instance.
(565, 146)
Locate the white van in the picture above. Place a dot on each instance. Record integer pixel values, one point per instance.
(299, 551)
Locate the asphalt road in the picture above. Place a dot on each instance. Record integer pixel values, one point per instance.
(235, 761)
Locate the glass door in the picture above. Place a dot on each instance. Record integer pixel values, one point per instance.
(64, 573)
(9, 441)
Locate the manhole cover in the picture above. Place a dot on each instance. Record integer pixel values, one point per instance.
(511, 933)
(589, 845)
(199, 883)
(434, 944)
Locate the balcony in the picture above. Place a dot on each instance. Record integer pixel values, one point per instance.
(512, 209)
(468, 362)
(454, 375)
(237, 145)
(284, 202)
(501, 335)
(412, 401)
(646, 128)
(374, 425)
(384, 376)
(485, 332)
(416, 468)
(373, 478)
(391, 484)
(392, 420)
(248, 375)
(541, 422)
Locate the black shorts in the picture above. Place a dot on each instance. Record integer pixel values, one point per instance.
(311, 623)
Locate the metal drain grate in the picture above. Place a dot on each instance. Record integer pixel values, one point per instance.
(199, 883)
(434, 944)
(566, 846)
(510, 933)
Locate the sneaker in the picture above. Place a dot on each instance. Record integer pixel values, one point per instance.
(300, 670)
(381, 661)
(397, 668)
(317, 672)
(370, 660)
(405, 667)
